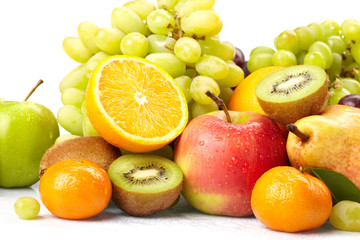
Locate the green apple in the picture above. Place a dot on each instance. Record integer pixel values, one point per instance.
(27, 130)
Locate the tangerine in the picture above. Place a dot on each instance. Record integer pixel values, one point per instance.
(75, 189)
(285, 199)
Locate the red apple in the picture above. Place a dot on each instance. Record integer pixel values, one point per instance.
(221, 160)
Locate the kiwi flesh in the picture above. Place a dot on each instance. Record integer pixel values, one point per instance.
(144, 184)
(92, 148)
(293, 93)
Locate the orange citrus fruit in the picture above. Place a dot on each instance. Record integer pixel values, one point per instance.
(285, 199)
(75, 189)
(135, 105)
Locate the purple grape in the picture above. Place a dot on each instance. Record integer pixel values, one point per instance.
(239, 58)
(245, 69)
(352, 100)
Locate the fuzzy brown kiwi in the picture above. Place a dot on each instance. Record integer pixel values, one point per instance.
(293, 93)
(144, 184)
(92, 148)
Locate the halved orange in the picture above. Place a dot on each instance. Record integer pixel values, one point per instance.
(134, 104)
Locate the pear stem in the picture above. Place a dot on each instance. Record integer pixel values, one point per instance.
(33, 89)
(220, 104)
(294, 129)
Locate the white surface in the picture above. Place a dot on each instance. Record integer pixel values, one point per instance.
(31, 37)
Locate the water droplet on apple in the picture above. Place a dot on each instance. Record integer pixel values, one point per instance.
(235, 160)
(218, 138)
(201, 143)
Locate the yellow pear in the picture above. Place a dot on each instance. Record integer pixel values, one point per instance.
(330, 140)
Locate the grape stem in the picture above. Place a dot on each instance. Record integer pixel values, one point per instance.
(220, 104)
(295, 130)
(33, 89)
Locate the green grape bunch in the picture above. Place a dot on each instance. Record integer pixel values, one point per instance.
(180, 36)
(332, 46)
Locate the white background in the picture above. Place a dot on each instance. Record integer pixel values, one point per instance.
(31, 35)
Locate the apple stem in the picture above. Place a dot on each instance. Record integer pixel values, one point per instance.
(220, 104)
(33, 89)
(294, 129)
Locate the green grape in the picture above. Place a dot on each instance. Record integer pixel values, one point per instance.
(261, 49)
(64, 138)
(201, 23)
(259, 61)
(300, 57)
(160, 22)
(161, 44)
(27, 208)
(200, 85)
(83, 108)
(93, 62)
(345, 215)
(198, 109)
(212, 66)
(336, 44)
(336, 94)
(216, 31)
(225, 94)
(287, 40)
(109, 39)
(318, 30)
(315, 58)
(75, 49)
(191, 72)
(355, 51)
(167, 4)
(127, 21)
(351, 70)
(166, 152)
(73, 96)
(306, 37)
(330, 27)
(187, 49)
(135, 44)
(347, 58)
(284, 58)
(75, 79)
(87, 128)
(194, 5)
(87, 31)
(184, 82)
(141, 7)
(71, 118)
(169, 62)
(335, 69)
(352, 85)
(350, 28)
(322, 47)
(234, 77)
(215, 47)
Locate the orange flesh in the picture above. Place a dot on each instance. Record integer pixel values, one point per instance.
(137, 104)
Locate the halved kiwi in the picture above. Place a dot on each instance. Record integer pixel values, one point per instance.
(144, 184)
(293, 93)
(92, 148)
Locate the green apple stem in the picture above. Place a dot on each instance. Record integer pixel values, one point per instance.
(294, 129)
(220, 103)
(33, 90)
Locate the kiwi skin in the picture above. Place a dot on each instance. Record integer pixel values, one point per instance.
(289, 112)
(92, 148)
(143, 204)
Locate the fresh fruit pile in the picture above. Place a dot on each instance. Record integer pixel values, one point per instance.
(179, 36)
(333, 47)
(279, 153)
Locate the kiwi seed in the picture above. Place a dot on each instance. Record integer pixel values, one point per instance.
(293, 93)
(144, 184)
(92, 148)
